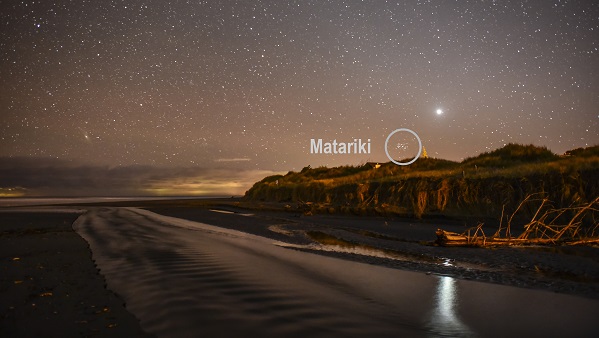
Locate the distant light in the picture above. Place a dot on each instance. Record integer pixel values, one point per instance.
(439, 111)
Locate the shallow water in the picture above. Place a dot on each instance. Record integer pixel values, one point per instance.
(183, 278)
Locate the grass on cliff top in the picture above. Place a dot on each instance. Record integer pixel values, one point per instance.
(512, 160)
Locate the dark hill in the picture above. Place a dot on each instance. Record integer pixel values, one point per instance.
(478, 186)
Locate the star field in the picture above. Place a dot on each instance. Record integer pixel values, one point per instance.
(247, 84)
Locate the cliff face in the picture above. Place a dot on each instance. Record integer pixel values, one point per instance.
(420, 196)
(438, 187)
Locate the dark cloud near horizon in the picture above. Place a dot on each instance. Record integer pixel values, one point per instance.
(57, 177)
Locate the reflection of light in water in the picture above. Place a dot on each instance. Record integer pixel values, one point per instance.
(447, 262)
(446, 293)
(444, 320)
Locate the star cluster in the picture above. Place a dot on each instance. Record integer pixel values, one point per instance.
(247, 84)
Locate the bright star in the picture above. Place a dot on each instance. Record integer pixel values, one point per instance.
(439, 111)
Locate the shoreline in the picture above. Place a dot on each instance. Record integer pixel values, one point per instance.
(561, 269)
(49, 283)
(181, 276)
(72, 296)
(569, 270)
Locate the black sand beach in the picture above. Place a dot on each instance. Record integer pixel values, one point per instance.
(404, 244)
(49, 285)
(179, 277)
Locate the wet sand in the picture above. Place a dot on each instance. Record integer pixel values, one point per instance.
(188, 278)
(234, 272)
(407, 244)
(49, 285)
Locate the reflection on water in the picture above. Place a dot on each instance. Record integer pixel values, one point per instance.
(444, 320)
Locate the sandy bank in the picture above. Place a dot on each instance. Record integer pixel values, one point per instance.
(49, 285)
(571, 270)
(184, 278)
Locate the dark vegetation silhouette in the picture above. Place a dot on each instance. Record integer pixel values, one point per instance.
(488, 185)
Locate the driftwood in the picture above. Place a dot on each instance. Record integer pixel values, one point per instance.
(448, 238)
(543, 229)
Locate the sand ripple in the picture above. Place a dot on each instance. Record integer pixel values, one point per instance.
(183, 278)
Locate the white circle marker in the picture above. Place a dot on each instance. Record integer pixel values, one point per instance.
(419, 146)
(439, 111)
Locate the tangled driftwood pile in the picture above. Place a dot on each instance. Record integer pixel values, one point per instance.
(548, 226)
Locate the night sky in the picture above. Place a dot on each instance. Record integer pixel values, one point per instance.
(206, 97)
